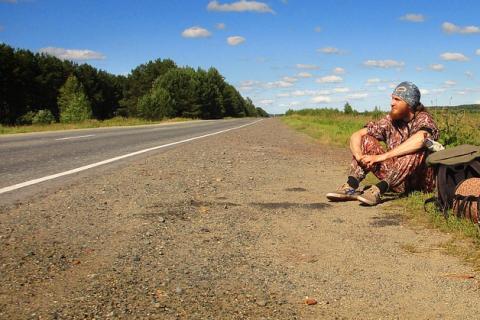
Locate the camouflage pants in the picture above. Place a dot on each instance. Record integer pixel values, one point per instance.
(403, 174)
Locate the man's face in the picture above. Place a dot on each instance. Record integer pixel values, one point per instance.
(399, 108)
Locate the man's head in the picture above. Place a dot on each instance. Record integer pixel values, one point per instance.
(405, 99)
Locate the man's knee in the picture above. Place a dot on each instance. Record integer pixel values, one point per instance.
(370, 145)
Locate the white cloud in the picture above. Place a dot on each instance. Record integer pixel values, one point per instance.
(266, 102)
(469, 74)
(304, 75)
(419, 69)
(240, 6)
(321, 99)
(384, 63)
(196, 32)
(477, 52)
(357, 96)
(249, 83)
(317, 29)
(329, 79)
(424, 92)
(450, 83)
(301, 93)
(306, 66)
(278, 84)
(373, 80)
(290, 79)
(381, 88)
(341, 90)
(283, 95)
(453, 56)
(235, 40)
(339, 70)
(450, 28)
(73, 54)
(413, 17)
(437, 67)
(330, 50)
(220, 26)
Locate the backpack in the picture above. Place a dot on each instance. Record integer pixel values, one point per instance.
(466, 202)
(452, 166)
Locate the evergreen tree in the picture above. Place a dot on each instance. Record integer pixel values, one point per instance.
(73, 102)
(347, 108)
(156, 105)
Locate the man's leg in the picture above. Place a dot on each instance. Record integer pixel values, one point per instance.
(370, 146)
(348, 191)
(396, 175)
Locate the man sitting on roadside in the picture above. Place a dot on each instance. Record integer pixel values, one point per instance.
(402, 167)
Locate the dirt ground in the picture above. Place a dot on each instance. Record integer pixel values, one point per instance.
(235, 226)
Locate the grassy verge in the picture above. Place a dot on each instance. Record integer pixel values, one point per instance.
(114, 122)
(464, 241)
(335, 128)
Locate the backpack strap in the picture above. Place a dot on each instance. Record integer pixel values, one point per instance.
(475, 164)
(430, 200)
(442, 195)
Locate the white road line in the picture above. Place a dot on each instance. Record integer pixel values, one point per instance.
(75, 137)
(96, 164)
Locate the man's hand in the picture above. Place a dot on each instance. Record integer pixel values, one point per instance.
(369, 160)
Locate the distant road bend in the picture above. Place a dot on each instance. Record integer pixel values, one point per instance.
(29, 159)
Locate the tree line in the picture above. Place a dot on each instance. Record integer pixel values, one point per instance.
(35, 87)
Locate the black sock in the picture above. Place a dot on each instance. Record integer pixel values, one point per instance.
(353, 182)
(383, 186)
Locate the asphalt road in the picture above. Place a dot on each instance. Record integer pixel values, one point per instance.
(26, 157)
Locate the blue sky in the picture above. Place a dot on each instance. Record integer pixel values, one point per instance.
(281, 53)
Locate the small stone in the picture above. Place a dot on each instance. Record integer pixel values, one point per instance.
(136, 258)
(178, 290)
(161, 219)
(262, 303)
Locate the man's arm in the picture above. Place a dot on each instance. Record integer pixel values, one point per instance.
(411, 145)
(356, 143)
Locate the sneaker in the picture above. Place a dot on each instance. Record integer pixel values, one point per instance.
(371, 196)
(344, 193)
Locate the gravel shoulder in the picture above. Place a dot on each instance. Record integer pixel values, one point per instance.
(234, 226)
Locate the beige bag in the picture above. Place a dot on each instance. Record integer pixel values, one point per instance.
(466, 201)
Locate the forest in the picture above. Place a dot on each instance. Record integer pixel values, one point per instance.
(39, 88)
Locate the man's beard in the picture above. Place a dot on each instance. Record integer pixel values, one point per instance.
(398, 114)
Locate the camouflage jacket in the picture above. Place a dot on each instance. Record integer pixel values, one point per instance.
(393, 133)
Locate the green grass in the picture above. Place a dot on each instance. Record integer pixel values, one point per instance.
(457, 127)
(464, 239)
(334, 129)
(114, 122)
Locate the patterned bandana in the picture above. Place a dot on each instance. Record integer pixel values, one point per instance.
(408, 92)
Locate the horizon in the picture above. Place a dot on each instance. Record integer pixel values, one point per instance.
(282, 54)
